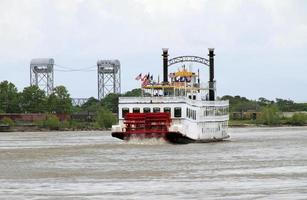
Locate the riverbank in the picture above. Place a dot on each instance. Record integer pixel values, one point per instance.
(37, 128)
(254, 123)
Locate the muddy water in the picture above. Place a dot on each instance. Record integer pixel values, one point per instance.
(261, 163)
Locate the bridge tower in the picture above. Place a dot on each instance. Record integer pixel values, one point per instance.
(109, 80)
(42, 74)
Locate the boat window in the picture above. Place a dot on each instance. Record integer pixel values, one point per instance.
(124, 112)
(136, 110)
(167, 109)
(146, 110)
(156, 109)
(194, 97)
(177, 112)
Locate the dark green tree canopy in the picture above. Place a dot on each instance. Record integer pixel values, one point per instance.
(9, 98)
(33, 100)
(134, 93)
(59, 101)
(111, 102)
(92, 101)
(242, 104)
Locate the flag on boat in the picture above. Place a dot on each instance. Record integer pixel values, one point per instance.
(138, 77)
(145, 82)
(146, 76)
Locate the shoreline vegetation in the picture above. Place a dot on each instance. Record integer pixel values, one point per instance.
(32, 110)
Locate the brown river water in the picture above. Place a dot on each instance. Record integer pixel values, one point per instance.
(257, 163)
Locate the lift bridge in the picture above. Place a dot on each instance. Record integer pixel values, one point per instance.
(108, 77)
(42, 74)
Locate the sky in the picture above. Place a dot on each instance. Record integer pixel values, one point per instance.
(260, 45)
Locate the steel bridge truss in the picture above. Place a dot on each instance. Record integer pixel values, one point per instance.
(42, 74)
(79, 101)
(109, 78)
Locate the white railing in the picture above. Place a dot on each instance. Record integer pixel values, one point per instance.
(213, 118)
(158, 99)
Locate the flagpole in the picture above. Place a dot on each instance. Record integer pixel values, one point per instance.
(185, 88)
(142, 91)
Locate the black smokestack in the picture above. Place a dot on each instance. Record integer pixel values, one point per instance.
(211, 74)
(165, 65)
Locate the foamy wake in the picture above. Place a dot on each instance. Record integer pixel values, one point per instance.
(147, 141)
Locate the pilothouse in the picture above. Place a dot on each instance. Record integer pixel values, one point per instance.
(180, 109)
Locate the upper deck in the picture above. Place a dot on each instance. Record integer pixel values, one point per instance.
(170, 100)
(178, 107)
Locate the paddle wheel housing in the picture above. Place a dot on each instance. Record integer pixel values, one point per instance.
(146, 125)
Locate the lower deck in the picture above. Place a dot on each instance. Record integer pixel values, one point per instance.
(198, 120)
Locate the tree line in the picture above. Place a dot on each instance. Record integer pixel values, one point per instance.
(33, 100)
(270, 111)
(242, 104)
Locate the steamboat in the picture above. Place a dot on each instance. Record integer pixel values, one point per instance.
(180, 110)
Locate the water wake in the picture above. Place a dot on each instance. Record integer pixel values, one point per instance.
(147, 141)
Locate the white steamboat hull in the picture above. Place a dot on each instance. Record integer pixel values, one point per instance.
(191, 120)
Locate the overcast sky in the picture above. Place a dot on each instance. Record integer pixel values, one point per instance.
(260, 45)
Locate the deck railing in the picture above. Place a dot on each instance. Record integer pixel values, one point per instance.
(158, 99)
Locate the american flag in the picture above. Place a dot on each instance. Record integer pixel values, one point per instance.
(146, 76)
(138, 77)
(145, 82)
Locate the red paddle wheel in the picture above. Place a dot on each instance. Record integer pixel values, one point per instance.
(145, 125)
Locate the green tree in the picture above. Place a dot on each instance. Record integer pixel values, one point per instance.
(92, 105)
(52, 122)
(110, 102)
(9, 98)
(105, 118)
(269, 116)
(239, 104)
(91, 101)
(298, 119)
(285, 105)
(7, 121)
(59, 101)
(134, 93)
(263, 101)
(33, 100)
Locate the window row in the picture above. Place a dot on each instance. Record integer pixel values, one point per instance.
(177, 110)
(216, 111)
(191, 113)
